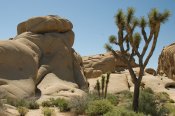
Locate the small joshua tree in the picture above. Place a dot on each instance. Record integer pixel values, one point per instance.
(102, 84)
(102, 90)
(128, 40)
(107, 82)
(98, 87)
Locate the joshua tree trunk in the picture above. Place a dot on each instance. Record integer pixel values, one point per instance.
(136, 96)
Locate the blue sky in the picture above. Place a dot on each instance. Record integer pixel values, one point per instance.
(93, 20)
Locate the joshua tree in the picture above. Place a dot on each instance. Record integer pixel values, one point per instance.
(98, 87)
(128, 41)
(107, 81)
(104, 86)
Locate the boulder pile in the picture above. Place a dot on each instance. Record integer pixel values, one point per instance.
(40, 60)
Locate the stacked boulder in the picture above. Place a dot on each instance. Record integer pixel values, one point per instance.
(40, 60)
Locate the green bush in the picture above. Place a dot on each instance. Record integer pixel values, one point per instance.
(17, 103)
(166, 109)
(99, 107)
(33, 105)
(46, 104)
(125, 94)
(120, 111)
(170, 109)
(61, 103)
(47, 111)
(147, 103)
(79, 104)
(162, 97)
(148, 90)
(113, 99)
(92, 96)
(22, 111)
(125, 99)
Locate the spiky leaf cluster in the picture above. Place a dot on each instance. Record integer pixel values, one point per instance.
(143, 22)
(156, 17)
(112, 39)
(137, 39)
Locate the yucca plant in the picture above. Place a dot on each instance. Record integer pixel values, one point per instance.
(102, 84)
(129, 40)
(102, 90)
(107, 82)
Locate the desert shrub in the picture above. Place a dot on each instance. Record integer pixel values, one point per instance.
(79, 104)
(17, 102)
(148, 90)
(147, 103)
(47, 111)
(120, 111)
(163, 97)
(113, 99)
(125, 94)
(46, 103)
(33, 104)
(22, 111)
(92, 96)
(166, 109)
(125, 99)
(99, 107)
(170, 109)
(61, 103)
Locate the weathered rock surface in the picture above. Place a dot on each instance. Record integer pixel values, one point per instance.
(117, 83)
(122, 81)
(151, 71)
(166, 63)
(41, 58)
(45, 24)
(97, 65)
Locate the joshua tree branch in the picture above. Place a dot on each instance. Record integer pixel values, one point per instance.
(124, 59)
(144, 34)
(156, 33)
(147, 43)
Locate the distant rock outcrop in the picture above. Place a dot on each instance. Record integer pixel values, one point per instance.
(41, 58)
(151, 71)
(166, 63)
(96, 65)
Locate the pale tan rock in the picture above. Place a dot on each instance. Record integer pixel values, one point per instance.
(29, 59)
(51, 23)
(117, 83)
(54, 87)
(104, 63)
(166, 62)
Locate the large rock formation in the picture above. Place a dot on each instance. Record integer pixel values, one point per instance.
(97, 65)
(166, 63)
(41, 59)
